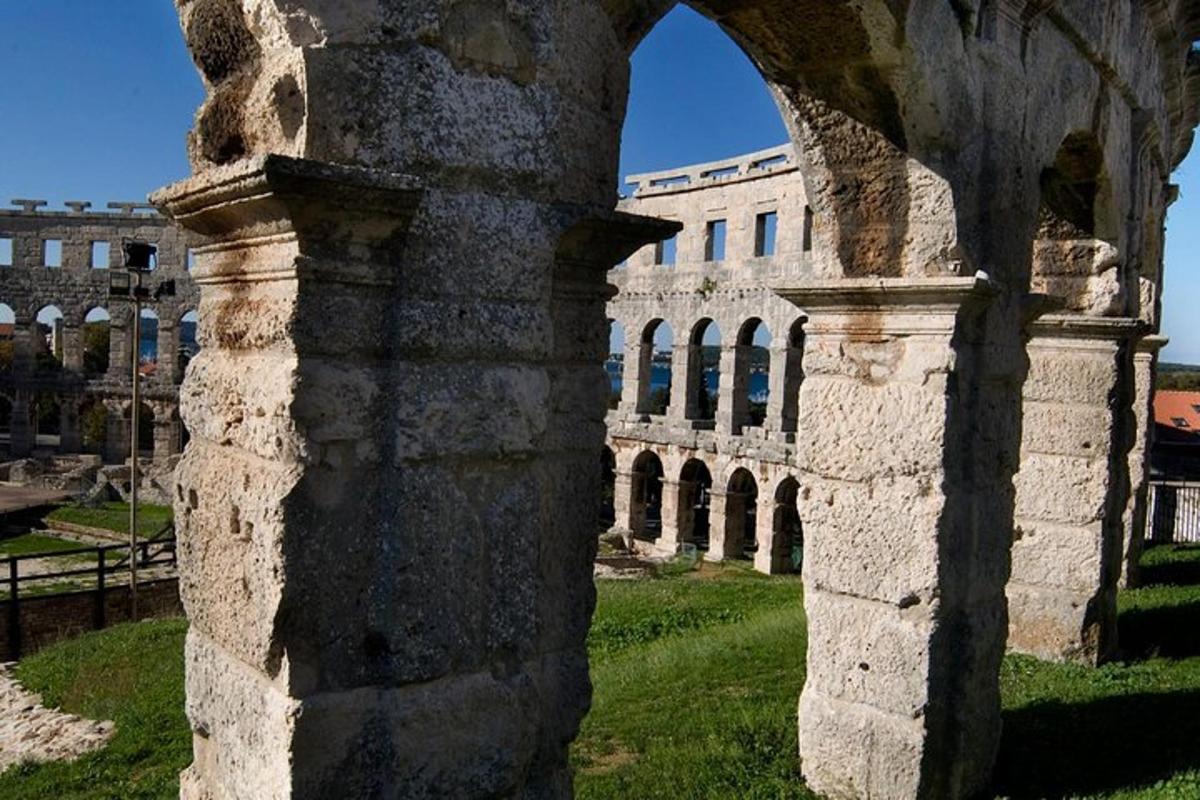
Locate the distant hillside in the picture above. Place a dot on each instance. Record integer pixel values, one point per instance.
(1178, 377)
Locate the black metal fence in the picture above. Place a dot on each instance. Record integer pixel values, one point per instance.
(85, 570)
(1174, 512)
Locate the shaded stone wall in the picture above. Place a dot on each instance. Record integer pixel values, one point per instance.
(76, 287)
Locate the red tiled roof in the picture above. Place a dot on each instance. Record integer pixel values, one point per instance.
(1179, 410)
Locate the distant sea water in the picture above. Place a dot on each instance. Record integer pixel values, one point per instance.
(660, 378)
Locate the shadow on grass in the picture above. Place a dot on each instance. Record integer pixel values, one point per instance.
(1167, 632)
(1066, 750)
(1171, 565)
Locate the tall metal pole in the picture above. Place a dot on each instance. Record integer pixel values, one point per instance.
(135, 420)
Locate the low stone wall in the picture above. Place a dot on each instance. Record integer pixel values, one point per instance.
(48, 619)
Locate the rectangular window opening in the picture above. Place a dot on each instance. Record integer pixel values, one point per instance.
(808, 229)
(720, 172)
(770, 163)
(6, 251)
(52, 252)
(714, 240)
(190, 259)
(765, 228)
(100, 254)
(664, 252)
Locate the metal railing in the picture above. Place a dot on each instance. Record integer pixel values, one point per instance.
(1174, 512)
(110, 559)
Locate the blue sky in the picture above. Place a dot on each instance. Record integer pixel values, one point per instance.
(97, 105)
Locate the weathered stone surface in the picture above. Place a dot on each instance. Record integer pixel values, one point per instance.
(406, 583)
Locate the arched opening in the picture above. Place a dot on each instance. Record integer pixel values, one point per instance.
(1075, 255)
(48, 343)
(608, 486)
(787, 544)
(752, 383)
(703, 371)
(741, 515)
(646, 497)
(97, 341)
(8, 322)
(189, 344)
(695, 492)
(658, 343)
(148, 344)
(93, 426)
(47, 419)
(615, 363)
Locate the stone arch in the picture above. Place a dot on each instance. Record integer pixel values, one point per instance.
(694, 503)
(787, 540)
(740, 515)
(751, 374)
(1076, 256)
(608, 483)
(703, 370)
(189, 341)
(614, 365)
(654, 368)
(48, 339)
(97, 341)
(646, 496)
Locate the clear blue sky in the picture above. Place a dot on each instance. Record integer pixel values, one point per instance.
(97, 104)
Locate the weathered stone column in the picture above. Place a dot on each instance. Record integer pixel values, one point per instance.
(623, 504)
(70, 439)
(783, 401)
(119, 330)
(167, 369)
(717, 524)
(672, 499)
(733, 406)
(20, 425)
(909, 410)
(116, 440)
(1073, 488)
(635, 387)
(355, 452)
(72, 342)
(23, 345)
(1145, 364)
(765, 560)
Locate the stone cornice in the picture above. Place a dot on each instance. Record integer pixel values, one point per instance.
(1152, 344)
(1082, 326)
(856, 295)
(338, 214)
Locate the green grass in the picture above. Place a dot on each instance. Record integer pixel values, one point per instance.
(30, 543)
(115, 517)
(133, 675)
(696, 678)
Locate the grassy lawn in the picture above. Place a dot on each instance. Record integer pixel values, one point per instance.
(115, 517)
(30, 543)
(696, 679)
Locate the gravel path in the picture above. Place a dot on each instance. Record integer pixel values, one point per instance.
(31, 732)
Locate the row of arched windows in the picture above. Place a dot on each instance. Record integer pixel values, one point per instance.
(656, 363)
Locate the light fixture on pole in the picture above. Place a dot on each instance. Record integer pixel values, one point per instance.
(139, 260)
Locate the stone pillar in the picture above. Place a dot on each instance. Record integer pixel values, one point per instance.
(783, 400)
(23, 345)
(672, 511)
(167, 370)
(72, 338)
(687, 373)
(732, 405)
(21, 426)
(1073, 488)
(166, 438)
(116, 440)
(910, 413)
(717, 525)
(635, 387)
(119, 330)
(623, 482)
(70, 436)
(319, 615)
(765, 560)
(1145, 364)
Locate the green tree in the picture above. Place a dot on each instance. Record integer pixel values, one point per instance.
(96, 336)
